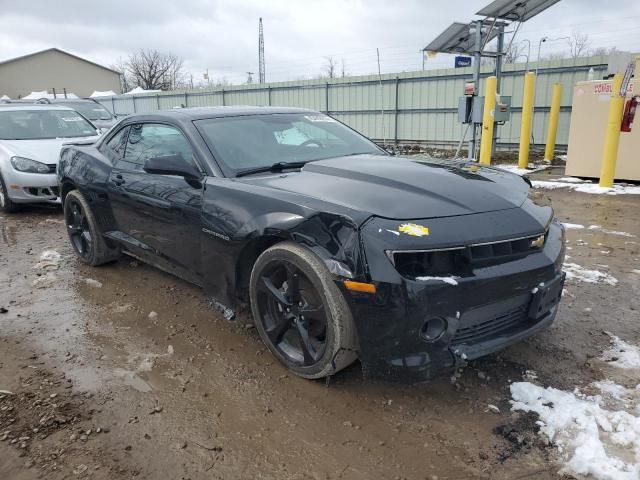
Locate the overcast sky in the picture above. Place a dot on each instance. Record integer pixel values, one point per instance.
(222, 35)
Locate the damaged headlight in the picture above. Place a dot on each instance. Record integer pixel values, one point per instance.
(538, 242)
(27, 165)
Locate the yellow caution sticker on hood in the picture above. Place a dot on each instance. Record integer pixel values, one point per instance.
(413, 229)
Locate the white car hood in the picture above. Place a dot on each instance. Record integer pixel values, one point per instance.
(45, 151)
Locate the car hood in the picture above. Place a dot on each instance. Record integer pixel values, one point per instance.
(45, 150)
(402, 188)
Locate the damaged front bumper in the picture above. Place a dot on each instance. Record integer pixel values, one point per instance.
(484, 311)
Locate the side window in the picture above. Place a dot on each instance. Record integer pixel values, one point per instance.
(147, 140)
(114, 148)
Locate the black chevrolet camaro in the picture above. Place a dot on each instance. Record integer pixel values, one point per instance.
(342, 251)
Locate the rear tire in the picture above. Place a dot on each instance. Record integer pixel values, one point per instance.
(6, 205)
(84, 234)
(300, 313)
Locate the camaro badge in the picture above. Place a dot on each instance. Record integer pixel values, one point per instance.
(413, 229)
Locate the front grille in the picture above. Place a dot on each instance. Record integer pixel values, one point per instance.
(490, 328)
(460, 261)
(52, 167)
(500, 252)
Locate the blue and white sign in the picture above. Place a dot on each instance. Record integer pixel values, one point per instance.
(463, 62)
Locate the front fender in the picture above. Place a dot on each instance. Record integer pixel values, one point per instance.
(238, 225)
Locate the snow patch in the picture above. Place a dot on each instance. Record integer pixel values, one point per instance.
(617, 189)
(50, 255)
(49, 260)
(572, 226)
(531, 168)
(596, 435)
(622, 354)
(610, 232)
(590, 438)
(45, 281)
(93, 283)
(139, 90)
(573, 180)
(449, 280)
(107, 93)
(581, 274)
(50, 96)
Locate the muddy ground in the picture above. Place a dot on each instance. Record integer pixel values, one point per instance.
(103, 388)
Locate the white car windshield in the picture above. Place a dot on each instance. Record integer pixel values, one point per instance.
(43, 124)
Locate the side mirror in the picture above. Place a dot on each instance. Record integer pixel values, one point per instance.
(171, 165)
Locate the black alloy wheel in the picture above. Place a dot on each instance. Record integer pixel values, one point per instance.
(300, 313)
(84, 232)
(293, 314)
(79, 231)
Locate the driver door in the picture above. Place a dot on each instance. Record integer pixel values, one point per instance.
(158, 216)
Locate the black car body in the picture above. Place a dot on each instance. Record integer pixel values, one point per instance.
(461, 259)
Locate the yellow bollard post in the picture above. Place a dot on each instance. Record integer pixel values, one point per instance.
(527, 118)
(486, 141)
(612, 135)
(554, 115)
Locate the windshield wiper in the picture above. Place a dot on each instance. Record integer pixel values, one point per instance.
(276, 167)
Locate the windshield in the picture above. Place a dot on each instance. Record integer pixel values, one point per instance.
(253, 141)
(41, 124)
(91, 110)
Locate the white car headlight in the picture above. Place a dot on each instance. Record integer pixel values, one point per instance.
(29, 166)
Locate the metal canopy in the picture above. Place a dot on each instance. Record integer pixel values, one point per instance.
(516, 10)
(458, 38)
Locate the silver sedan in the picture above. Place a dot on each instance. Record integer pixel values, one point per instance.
(30, 140)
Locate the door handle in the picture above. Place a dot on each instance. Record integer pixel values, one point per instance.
(118, 180)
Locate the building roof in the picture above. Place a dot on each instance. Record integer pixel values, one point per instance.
(59, 51)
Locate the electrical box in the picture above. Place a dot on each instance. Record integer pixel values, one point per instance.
(471, 109)
(464, 109)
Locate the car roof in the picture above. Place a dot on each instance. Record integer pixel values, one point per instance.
(53, 101)
(32, 106)
(200, 113)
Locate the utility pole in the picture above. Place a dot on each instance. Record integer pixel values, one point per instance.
(249, 77)
(261, 78)
(477, 57)
(499, 61)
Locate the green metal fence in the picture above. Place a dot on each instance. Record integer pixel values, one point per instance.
(407, 107)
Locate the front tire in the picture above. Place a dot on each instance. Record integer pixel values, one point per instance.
(300, 313)
(6, 205)
(85, 236)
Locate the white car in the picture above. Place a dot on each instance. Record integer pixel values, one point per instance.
(30, 140)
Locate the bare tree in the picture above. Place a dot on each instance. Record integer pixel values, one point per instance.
(515, 51)
(555, 55)
(121, 67)
(343, 68)
(153, 70)
(330, 67)
(579, 44)
(603, 51)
